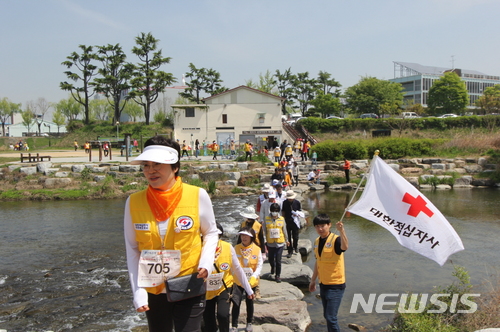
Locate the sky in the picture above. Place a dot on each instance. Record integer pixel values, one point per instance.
(349, 39)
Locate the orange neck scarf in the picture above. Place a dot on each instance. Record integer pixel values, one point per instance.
(163, 203)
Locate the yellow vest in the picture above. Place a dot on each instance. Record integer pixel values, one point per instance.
(223, 262)
(251, 253)
(270, 224)
(256, 227)
(185, 219)
(330, 265)
(247, 147)
(288, 151)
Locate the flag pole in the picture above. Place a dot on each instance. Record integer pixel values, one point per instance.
(376, 153)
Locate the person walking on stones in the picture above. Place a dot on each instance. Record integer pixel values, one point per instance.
(250, 257)
(347, 167)
(168, 218)
(283, 146)
(329, 251)
(292, 211)
(220, 286)
(251, 221)
(276, 238)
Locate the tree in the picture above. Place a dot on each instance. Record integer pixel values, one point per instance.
(201, 80)
(305, 89)
(285, 88)
(28, 117)
(328, 83)
(70, 108)
(101, 109)
(39, 108)
(448, 95)
(267, 83)
(84, 63)
(133, 110)
(116, 74)
(489, 102)
(7, 110)
(58, 119)
(326, 104)
(148, 80)
(371, 95)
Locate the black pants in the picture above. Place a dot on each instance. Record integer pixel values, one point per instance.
(218, 306)
(293, 236)
(248, 154)
(215, 155)
(274, 256)
(238, 293)
(185, 315)
(346, 175)
(184, 152)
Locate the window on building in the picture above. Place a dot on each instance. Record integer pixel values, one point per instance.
(262, 117)
(224, 118)
(189, 112)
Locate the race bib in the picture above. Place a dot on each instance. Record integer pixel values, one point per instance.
(275, 233)
(157, 265)
(214, 281)
(248, 272)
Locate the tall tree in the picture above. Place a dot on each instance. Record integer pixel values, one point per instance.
(267, 83)
(489, 102)
(448, 95)
(148, 80)
(133, 110)
(101, 109)
(28, 116)
(7, 111)
(285, 87)
(40, 107)
(371, 95)
(201, 80)
(305, 89)
(84, 62)
(327, 83)
(116, 74)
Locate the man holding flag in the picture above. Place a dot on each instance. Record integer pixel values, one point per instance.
(393, 203)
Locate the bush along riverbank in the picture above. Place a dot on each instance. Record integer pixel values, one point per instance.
(66, 181)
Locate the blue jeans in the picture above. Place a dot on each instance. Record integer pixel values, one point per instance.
(331, 299)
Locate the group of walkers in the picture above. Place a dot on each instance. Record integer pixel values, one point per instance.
(20, 146)
(174, 245)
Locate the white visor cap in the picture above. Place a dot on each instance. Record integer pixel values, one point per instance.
(245, 233)
(159, 154)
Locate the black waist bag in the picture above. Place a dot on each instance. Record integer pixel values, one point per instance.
(185, 287)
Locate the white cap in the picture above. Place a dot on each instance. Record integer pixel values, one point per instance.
(158, 154)
(245, 233)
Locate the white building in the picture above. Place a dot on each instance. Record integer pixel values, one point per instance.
(239, 114)
(20, 130)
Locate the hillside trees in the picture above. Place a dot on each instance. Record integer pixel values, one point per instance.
(7, 110)
(448, 95)
(372, 95)
(489, 102)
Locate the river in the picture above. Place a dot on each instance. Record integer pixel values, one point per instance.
(63, 268)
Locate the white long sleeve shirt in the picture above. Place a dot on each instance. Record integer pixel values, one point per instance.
(210, 239)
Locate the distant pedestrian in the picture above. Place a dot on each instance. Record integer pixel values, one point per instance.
(215, 150)
(75, 144)
(196, 148)
(347, 167)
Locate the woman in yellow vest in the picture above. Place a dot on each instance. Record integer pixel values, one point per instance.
(251, 221)
(276, 238)
(329, 268)
(166, 222)
(215, 150)
(220, 286)
(250, 257)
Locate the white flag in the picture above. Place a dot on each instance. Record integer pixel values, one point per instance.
(393, 203)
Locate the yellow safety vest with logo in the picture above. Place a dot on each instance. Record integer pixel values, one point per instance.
(330, 265)
(256, 227)
(185, 219)
(223, 261)
(270, 224)
(251, 253)
(288, 151)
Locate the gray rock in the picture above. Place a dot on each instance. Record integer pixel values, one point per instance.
(50, 171)
(99, 169)
(394, 167)
(482, 182)
(114, 168)
(242, 165)
(438, 166)
(61, 174)
(130, 168)
(77, 168)
(233, 183)
(280, 313)
(463, 181)
(199, 168)
(233, 175)
(226, 166)
(43, 166)
(213, 166)
(482, 161)
(28, 170)
(450, 166)
(305, 246)
(472, 169)
(212, 176)
(12, 167)
(195, 176)
(471, 160)
(296, 274)
(413, 181)
(57, 182)
(272, 292)
(431, 160)
(443, 187)
(89, 166)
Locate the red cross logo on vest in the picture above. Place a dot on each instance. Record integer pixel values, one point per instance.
(417, 205)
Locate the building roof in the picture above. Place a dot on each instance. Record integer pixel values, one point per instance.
(244, 87)
(416, 69)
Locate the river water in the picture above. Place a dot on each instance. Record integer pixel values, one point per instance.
(63, 268)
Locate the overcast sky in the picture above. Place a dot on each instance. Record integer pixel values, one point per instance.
(242, 39)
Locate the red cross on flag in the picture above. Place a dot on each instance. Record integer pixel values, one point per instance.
(393, 203)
